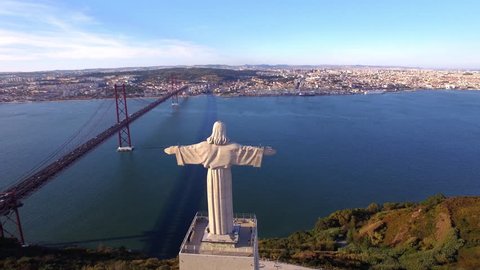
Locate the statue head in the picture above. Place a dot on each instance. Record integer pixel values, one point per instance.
(219, 134)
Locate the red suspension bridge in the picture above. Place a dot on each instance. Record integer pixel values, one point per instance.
(11, 198)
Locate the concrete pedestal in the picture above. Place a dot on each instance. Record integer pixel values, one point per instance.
(238, 252)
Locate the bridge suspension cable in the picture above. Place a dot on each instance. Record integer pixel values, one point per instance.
(71, 142)
(38, 175)
(10, 198)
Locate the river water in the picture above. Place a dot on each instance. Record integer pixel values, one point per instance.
(333, 152)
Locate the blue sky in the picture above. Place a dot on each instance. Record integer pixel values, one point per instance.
(50, 34)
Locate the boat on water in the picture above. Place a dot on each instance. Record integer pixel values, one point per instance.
(307, 94)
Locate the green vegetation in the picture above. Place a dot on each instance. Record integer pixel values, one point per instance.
(212, 75)
(13, 256)
(191, 74)
(439, 233)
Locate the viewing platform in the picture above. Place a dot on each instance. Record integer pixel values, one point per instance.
(239, 251)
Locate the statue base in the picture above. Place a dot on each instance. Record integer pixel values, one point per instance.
(237, 251)
(221, 239)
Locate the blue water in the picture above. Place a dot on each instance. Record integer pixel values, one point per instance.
(333, 152)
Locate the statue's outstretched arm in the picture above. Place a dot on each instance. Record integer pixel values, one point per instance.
(188, 154)
(252, 155)
(169, 150)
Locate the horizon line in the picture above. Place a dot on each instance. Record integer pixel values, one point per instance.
(247, 65)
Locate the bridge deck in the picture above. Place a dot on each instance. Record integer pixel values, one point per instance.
(9, 198)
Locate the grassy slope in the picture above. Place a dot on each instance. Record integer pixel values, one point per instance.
(439, 233)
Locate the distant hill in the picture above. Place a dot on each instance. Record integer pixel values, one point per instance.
(212, 75)
(439, 233)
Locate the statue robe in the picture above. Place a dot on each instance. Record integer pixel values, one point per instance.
(218, 159)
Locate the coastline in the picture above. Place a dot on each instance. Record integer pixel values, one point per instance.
(327, 245)
(239, 95)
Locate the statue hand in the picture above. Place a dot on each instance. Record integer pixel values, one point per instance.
(169, 150)
(269, 151)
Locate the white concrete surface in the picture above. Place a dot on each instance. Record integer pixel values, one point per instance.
(269, 265)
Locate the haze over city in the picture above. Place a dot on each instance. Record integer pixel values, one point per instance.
(52, 35)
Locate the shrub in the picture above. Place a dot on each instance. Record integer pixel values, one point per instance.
(373, 208)
(433, 201)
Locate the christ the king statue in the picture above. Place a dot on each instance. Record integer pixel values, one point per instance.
(217, 154)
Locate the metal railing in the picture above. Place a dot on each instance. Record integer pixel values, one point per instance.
(211, 250)
(235, 215)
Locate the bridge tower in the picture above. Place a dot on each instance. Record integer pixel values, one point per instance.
(124, 139)
(173, 81)
(9, 215)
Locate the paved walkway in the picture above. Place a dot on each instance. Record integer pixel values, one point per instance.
(269, 265)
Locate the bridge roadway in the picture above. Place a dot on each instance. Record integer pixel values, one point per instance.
(10, 198)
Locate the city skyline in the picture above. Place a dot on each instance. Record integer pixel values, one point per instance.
(49, 35)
